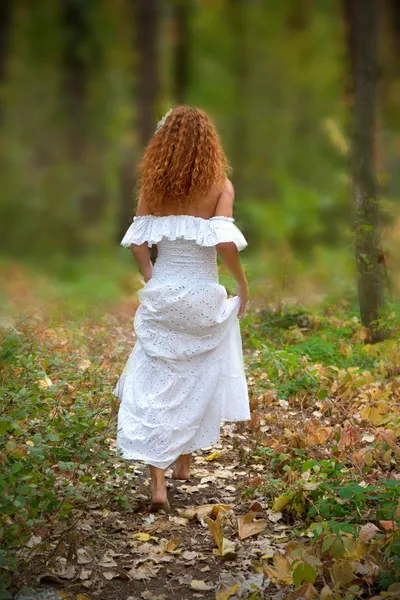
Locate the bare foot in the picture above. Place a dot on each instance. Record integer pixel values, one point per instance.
(159, 500)
(182, 467)
(181, 474)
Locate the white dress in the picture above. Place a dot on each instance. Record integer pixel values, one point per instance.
(185, 373)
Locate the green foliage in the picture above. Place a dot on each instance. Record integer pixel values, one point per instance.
(55, 424)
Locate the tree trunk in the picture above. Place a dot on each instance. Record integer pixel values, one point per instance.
(5, 20)
(362, 18)
(147, 22)
(237, 10)
(146, 16)
(181, 51)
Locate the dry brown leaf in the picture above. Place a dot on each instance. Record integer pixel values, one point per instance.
(368, 531)
(388, 525)
(280, 571)
(206, 510)
(187, 555)
(145, 571)
(248, 526)
(107, 561)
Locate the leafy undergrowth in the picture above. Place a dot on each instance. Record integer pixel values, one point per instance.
(325, 410)
(321, 456)
(57, 415)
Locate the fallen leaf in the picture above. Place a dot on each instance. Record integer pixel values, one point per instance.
(280, 572)
(85, 574)
(256, 506)
(64, 570)
(388, 525)
(107, 561)
(45, 383)
(145, 571)
(172, 545)
(206, 510)
(368, 531)
(213, 456)
(187, 555)
(83, 556)
(274, 516)
(225, 593)
(342, 573)
(216, 530)
(248, 526)
(281, 502)
(143, 537)
(200, 586)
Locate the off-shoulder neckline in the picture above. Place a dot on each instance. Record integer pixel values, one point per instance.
(215, 218)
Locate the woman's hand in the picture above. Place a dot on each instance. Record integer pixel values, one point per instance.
(243, 293)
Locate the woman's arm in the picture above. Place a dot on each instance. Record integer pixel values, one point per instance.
(142, 257)
(227, 251)
(142, 253)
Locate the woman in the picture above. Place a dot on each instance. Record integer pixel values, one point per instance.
(185, 374)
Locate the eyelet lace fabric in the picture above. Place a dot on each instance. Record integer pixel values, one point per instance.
(185, 373)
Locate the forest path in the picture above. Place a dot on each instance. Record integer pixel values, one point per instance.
(131, 554)
(127, 553)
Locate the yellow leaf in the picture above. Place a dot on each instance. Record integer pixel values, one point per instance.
(143, 537)
(248, 526)
(172, 545)
(82, 597)
(213, 456)
(216, 530)
(281, 502)
(280, 572)
(225, 593)
(29, 443)
(45, 383)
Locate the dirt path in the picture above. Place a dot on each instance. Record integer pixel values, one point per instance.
(131, 554)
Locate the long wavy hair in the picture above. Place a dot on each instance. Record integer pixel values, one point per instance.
(182, 162)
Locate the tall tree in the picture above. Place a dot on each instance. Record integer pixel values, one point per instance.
(181, 72)
(5, 21)
(362, 33)
(146, 17)
(240, 59)
(76, 30)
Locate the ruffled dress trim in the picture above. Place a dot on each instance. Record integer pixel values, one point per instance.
(205, 232)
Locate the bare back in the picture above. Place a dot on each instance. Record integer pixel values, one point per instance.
(218, 202)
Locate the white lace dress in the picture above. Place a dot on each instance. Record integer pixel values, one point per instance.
(185, 374)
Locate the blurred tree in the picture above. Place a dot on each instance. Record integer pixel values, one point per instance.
(240, 68)
(146, 16)
(78, 38)
(147, 21)
(362, 29)
(5, 21)
(181, 75)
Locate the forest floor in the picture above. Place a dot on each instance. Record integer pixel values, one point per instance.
(301, 502)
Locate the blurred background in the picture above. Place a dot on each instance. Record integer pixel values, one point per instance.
(83, 83)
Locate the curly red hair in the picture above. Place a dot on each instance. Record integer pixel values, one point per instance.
(183, 161)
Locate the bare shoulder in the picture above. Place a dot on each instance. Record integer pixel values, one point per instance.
(142, 208)
(224, 206)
